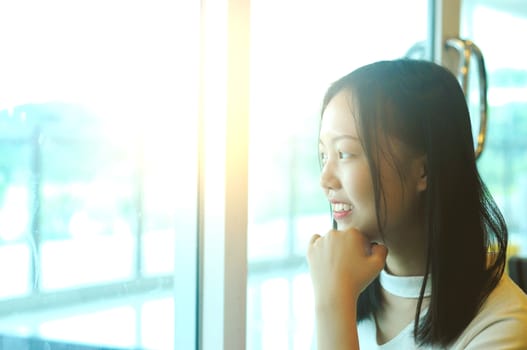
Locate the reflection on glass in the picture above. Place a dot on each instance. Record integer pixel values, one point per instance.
(85, 192)
(15, 240)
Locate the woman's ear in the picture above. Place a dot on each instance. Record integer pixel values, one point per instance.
(422, 181)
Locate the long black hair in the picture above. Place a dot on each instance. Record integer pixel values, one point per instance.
(421, 104)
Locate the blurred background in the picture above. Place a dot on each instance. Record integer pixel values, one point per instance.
(99, 105)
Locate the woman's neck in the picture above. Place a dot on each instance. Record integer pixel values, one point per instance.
(407, 257)
(405, 265)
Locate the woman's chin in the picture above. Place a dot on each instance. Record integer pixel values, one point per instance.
(373, 236)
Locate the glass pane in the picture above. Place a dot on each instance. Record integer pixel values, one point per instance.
(15, 206)
(293, 61)
(160, 200)
(503, 164)
(87, 186)
(94, 97)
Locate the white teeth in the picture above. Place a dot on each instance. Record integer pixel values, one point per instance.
(341, 207)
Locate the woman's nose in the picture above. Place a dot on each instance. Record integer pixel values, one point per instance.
(328, 178)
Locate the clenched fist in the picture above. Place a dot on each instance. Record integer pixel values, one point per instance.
(342, 264)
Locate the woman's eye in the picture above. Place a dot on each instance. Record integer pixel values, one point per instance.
(323, 157)
(345, 155)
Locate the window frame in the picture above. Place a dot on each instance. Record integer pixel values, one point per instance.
(223, 174)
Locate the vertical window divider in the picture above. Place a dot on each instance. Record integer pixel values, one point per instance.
(36, 209)
(224, 146)
(139, 205)
(237, 173)
(188, 139)
(446, 25)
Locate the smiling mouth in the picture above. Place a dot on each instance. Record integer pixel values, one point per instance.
(341, 210)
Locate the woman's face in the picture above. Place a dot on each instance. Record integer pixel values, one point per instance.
(347, 181)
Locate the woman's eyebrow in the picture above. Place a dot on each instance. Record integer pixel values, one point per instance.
(340, 137)
(349, 137)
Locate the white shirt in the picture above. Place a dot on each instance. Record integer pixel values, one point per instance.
(500, 324)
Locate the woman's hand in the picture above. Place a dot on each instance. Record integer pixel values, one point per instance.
(342, 264)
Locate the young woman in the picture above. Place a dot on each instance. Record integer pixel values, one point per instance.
(417, 253)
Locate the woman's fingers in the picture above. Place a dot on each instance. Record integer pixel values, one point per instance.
(311, 246)
(342, 263)
(314, 238)
(379, 250)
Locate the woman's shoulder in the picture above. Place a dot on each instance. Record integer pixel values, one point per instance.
(501, 322)
(506, 300)
(507, 289)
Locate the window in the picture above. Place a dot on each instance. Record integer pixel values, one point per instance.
(98, 171)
